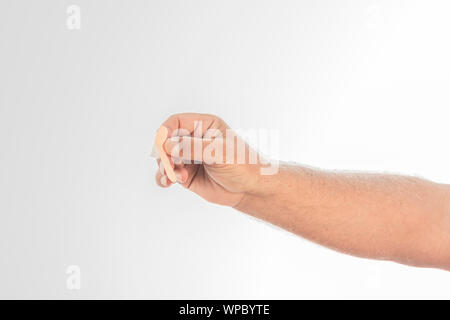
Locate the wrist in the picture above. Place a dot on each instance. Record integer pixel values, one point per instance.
(269, 186)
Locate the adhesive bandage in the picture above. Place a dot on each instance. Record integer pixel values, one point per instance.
(161, 137)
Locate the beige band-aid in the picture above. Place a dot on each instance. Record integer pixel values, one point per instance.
(161, 137)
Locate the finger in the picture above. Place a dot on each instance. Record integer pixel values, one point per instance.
(179, 163)
(194, 124)
(162, 180)
(161, 168)
(182, 175)
(175, 163)
(189, 173)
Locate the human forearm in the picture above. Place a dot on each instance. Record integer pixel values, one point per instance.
(404, 219)
(398, 218)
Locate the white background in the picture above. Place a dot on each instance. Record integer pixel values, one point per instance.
(350, 85)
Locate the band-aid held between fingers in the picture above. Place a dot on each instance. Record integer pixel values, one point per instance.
(161, 137)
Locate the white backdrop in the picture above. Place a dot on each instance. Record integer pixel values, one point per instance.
(349, 85)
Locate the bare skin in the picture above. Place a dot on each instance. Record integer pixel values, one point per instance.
(378, 216)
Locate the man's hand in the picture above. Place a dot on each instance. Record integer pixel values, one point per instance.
(378, 216)
(215, 181)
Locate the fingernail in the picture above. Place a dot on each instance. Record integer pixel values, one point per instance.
(164, 181)
(179, 177)
(161, 168)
